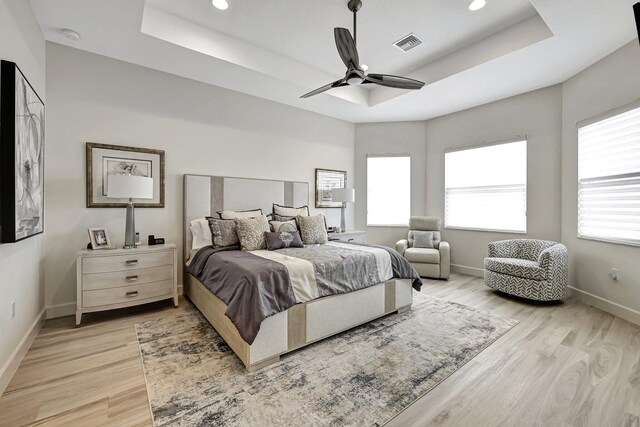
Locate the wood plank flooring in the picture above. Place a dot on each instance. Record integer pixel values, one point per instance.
(562, 365)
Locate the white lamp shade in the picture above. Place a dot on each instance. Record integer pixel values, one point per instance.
(343, 195)
(129, 187)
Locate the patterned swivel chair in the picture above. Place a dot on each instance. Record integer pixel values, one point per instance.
(533, 269)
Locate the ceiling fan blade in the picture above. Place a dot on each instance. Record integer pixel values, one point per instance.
(324, 88)
(346, 47)
(394, 81)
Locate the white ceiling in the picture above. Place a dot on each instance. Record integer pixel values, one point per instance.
(280, 49)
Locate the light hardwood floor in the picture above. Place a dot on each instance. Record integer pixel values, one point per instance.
(562, 365)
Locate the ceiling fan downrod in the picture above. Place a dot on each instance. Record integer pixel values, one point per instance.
(354, 6)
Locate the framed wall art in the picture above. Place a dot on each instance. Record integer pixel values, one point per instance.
(104, 160)
(21, 156)
(326, 180)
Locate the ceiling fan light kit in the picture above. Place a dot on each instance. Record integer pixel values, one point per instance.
(346, 45)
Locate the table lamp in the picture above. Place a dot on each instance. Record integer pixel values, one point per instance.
(130, 187)
(344, 195)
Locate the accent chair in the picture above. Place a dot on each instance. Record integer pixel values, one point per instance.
(424, 248)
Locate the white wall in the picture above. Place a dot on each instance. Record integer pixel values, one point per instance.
(538, 115)
(21, 264)
(203, 129)
(610, 83)
(386, 138)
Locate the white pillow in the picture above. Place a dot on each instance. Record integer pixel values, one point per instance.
(240, 214)
(201, 233)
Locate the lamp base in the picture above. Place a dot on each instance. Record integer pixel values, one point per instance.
(129, 231)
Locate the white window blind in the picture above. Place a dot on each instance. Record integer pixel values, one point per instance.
(609, 179)
(388, 190)
(486, 188)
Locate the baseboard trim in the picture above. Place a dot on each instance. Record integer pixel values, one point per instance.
(463, 269)
(11, 366)
(604, 304)
(61, 310)
(69, 309)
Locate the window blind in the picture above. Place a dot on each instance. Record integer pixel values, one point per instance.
(485, 188)
(388, 190)
(609, 179)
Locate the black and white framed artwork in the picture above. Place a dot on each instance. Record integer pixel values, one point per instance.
(21, 156)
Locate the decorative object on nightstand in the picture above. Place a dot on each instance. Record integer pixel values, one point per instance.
(125, 277)
(99, 238)
(130, 187)
(355, 236)
(344, 196)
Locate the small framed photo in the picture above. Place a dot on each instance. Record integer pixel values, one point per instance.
(99, 238)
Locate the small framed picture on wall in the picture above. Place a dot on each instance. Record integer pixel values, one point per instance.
(327, 180)
(99, 238)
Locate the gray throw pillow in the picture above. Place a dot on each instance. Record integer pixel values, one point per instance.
(289, 225)
(313, 229)
(251, 232)
(283, 239)
(223, 232)
(423, 239)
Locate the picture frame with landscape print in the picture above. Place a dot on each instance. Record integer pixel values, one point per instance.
(22, 121)
(105, 159)
(326, 180)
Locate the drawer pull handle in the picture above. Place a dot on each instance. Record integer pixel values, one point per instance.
(131, 262)
(132, 294)
(351, 240)
(131, 278)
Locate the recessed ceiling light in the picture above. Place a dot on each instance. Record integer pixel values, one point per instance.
(477, 5)
(364, 67)
(220, 4)
(70, 34)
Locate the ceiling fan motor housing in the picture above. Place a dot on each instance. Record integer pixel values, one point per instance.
(354, 5)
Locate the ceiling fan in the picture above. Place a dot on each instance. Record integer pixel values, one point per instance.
(355, 74)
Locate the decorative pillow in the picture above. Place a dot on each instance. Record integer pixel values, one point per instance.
(200, 232)
(313, 229)
(239, 214)
(224, 232)
(282, 218)
(283, 239)
(290, 210)
(423, 239)
(251, 232)
(289, 225)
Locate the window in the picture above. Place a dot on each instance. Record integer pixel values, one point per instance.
(486, 188)
(609, 178)
(388, 190)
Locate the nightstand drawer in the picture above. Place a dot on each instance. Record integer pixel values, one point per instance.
(103, 264)
(118, 279)
(105, 297)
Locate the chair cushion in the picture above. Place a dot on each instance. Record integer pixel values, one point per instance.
(423, 255)
(515, 267)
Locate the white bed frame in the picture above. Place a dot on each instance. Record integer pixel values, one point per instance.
(301, 324)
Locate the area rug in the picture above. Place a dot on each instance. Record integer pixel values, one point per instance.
(364, 376)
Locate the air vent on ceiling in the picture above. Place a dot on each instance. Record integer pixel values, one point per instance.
(407, 43)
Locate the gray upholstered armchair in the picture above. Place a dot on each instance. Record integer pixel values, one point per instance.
(533, 269)
(424, 247)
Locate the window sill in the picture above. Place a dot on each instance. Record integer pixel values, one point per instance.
(487, 230)
(611, 241)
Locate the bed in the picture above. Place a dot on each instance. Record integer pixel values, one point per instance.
(261, 328)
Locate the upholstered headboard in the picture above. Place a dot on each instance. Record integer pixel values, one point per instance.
(204, 195)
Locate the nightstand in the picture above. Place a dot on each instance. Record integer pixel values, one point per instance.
(349, 236)
(116, 278)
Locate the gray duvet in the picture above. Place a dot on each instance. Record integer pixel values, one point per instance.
(259, 284)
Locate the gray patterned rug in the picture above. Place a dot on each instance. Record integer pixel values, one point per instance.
(364, 376)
